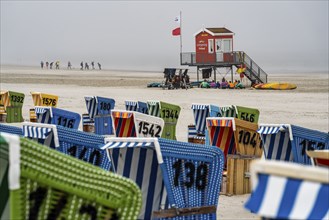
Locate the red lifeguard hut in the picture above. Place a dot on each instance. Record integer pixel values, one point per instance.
(210, 42)
(214, 50)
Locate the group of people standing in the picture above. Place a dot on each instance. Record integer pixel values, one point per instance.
(49, 65)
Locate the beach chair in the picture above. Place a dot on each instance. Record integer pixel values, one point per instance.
(228, 111)
(45, 184)
(248, 114)
(88, 124)
(200, 113)
(11, 103)
(135, 124)
(283, 190)
(169, 113)
(290, 143)
(319, 157)
(56, 116)
(136, 106)
(42, 99)
(240, 112)
(11, 129)
(99, 110)
(82, 145)
(171, 174)
(131, 105)
(142, 107)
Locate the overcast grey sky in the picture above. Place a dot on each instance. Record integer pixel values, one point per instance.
(279, 35)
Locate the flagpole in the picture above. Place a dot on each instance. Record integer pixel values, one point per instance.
(180, 26)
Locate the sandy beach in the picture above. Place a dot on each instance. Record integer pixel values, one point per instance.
(305, 106)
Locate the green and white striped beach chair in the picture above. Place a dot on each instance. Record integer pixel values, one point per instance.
(45, 184)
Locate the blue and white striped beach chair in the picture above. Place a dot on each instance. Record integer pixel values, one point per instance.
(11, 129)
(283, 190)
(200, 113)
(81, 145)
(153, 108)
(169, 173)
(99, 110)
(56, 116)
(131, 105)
(290, 143)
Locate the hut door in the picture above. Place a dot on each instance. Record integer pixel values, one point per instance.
(219, 50)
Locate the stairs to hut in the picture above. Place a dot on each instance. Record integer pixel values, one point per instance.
(253, 72)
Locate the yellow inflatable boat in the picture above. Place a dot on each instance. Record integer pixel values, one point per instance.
(276, 86)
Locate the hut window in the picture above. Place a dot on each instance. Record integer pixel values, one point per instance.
(210, 45)
(227, 45)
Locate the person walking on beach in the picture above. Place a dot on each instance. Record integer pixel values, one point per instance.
(41, 64)
(86, 66)
(57, 65)
(69, 65)
(93, 65)
(99, 66)
(51, 65)
(47, 64)
(81, 65)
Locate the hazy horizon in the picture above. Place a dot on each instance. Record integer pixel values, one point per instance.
(283, 36)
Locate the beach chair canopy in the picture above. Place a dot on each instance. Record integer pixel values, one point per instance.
(82, 145)
(43, 99)
(97, 105)
(56, 116)
(283, 190)
(10, 129)
(45, 184)
(290, 142)
(200, 113)
(135, 124)
(169, 173)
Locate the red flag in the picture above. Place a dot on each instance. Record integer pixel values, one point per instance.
(176, 32)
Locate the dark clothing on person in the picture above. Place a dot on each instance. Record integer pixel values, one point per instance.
(93, 65)
(99, 66)
(51, 65)
(81, 64)
(41, 64)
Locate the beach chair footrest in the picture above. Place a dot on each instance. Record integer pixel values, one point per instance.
(173, 212)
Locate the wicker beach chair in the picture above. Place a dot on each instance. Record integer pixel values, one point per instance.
(290, 142)
(175, 175)
(10, 129)
(45, 184)
(56, 116)
(99, 110)
(228, 111)
(240, 112)
(142, 107)
(11, 103)
(131, 105)
(82, 145)
(135, 124)
(169, 113)
(235, 136)
(283, 190)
